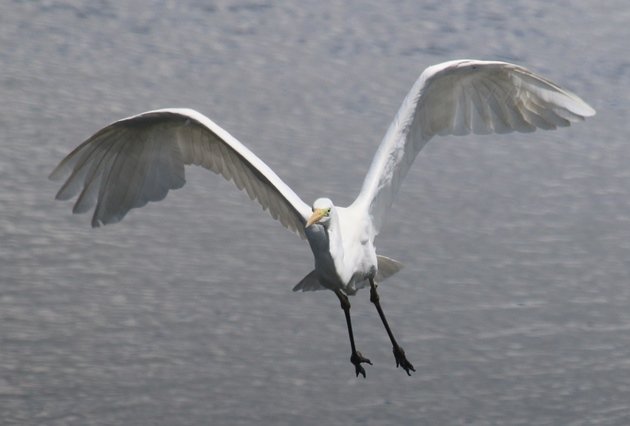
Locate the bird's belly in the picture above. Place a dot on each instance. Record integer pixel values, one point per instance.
(347, 273)
(338, 266)
(327, 273)
(363, 268)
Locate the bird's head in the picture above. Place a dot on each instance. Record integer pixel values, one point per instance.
(322, 211)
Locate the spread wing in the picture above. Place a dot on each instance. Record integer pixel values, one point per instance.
(140, 158)
(457, 98)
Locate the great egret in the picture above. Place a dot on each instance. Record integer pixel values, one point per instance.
(140, 158)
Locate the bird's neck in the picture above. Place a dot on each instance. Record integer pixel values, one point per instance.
(334, 235)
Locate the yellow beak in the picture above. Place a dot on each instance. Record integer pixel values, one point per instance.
(316, 217)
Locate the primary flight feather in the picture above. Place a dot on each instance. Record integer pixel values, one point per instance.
(140, 158)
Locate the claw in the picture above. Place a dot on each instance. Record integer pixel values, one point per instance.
(401, 360)
(357, 359)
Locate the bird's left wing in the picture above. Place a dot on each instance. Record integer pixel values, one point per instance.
(457, 98)
(139, 159)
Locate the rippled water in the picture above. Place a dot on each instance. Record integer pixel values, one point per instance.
(514, 305)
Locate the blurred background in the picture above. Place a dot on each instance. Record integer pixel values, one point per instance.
(514, 305)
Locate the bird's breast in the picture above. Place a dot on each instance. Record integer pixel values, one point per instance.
(338, 265)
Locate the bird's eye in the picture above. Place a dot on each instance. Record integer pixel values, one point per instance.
(328, 211)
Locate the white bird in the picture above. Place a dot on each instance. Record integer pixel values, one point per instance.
(140, 158)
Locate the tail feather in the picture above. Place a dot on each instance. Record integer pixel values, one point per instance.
(309, 283)
(386, 268)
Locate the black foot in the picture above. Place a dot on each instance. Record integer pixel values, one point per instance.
(401, 360)
(357, 359)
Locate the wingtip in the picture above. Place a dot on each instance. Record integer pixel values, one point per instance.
(581, 108)
(589, 111)
(58, 173)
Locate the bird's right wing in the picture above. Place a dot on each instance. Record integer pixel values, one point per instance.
(457, 98)
(140, 158)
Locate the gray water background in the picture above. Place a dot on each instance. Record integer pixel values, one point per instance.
(514, 305)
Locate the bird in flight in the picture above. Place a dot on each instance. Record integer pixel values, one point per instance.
(140, 158)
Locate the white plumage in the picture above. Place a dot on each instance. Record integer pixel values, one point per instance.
(139, 159)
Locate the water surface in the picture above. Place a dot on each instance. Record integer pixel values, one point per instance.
(514, 305)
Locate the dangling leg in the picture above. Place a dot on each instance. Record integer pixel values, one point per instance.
(399, 353)
(356, 358)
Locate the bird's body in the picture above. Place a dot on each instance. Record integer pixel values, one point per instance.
(140, 158)
(345, 257)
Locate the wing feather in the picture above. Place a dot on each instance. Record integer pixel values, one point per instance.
(139, 159)
(457, 98)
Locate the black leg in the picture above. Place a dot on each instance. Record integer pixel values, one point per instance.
(399, 353)
(356, 358)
